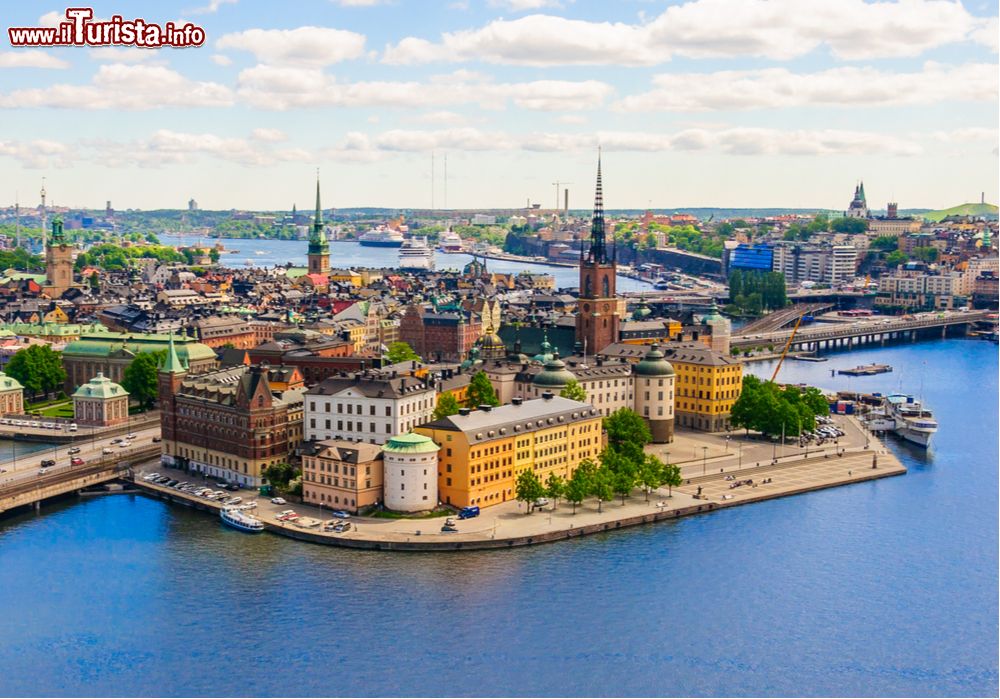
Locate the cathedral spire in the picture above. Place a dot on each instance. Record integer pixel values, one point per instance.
(318, 220)
(598, 248)
(317, 240)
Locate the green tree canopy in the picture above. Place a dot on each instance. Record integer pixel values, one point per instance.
(528, 488)
(671, 477)
(400, 352)
(481, 391)
(39, 369)
(602, 486)
(574, 391)
(447, 405)
(849, 225)
(578, 486)
(627, 432)
(280, 474)
(555, 487)
(140, 377)
(767, 408)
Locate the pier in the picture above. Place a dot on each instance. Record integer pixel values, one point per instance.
(866, 370)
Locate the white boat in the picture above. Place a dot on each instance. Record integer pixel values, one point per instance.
(416, 254)
(449, 241)
(912, 421)
(240, 520)
(382, 237)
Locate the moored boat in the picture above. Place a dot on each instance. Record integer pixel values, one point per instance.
(240, 520)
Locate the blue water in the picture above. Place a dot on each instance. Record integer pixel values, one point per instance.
(268, 253)
(887, 588)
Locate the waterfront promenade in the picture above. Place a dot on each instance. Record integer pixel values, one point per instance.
(706, 488)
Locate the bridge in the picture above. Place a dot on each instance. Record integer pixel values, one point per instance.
(31, 488)
(777, 319)
(862, 332)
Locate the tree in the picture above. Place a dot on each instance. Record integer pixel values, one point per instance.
(896, 258)
(140, 377)
(481, 391)
(627, 433)
(279, 474)
(574, 391)
(650, 475)
(400, 352)
(95, 282)
(671, 478)
(555, 486)
(849, 225)
(447, 405)
(38, 368)
(602, 486)
(528, 489)
(623, 469)
(578, 486)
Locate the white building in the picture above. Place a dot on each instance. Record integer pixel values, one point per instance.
(367, 407)
(410, 473)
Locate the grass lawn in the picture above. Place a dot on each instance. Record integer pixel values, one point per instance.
(59, 410)
(385, 514)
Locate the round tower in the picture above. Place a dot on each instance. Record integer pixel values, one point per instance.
(410, 473)
(654, 394)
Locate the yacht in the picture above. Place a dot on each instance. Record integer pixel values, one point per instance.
(449, 241)
(382, 237)
(416, 254)
(914, 422)
(240, 520)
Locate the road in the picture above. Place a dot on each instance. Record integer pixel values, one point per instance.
(27, 467)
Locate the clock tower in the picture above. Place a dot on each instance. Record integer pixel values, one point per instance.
(319, 248)
(597, 317)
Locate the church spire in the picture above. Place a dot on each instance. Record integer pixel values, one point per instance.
(317, 240)
(598, 248)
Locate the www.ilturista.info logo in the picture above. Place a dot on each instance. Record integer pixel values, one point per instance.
(81, 29)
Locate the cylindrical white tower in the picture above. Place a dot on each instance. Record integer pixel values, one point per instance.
(410, 473)
(654, 394)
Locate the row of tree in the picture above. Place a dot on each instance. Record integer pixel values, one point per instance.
(754, 291)
(623, 466)
(765, 407)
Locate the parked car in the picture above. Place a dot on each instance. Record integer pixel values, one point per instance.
(157, 439)
(541, 502)
(278, 501)
(232, 486)
(340, 514)
(469, 512)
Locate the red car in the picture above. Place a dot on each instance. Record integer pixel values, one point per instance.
(76, 461)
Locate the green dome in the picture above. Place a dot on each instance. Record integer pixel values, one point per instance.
(654, 364)
(100, 387)
(641, 312)
(9, 383)
(546, 350)
(554, 375)
(411, 443)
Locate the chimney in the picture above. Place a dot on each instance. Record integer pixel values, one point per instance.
(464, 411)
(516, 400)
(548, 395)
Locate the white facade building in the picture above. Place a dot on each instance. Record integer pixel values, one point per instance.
(410, 475)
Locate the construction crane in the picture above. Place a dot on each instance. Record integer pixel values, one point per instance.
(788, 344)
(557, 184)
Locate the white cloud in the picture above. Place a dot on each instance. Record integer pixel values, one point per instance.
(165, 147)
(282, 88)
(776, 29)
(113, 54)
(571, 119)
(52, 19)
(220, 60)
(269, 135)
(30, 58)
(968, 134)
(522, 5)
(119, 86)
(775, 88)
(39, 153)
(307, 46)
(988, 34)
(442, 117)
(212, 6)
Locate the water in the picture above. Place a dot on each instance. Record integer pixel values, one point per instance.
(268, 253)
(887, 588)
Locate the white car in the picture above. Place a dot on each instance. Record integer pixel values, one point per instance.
(107, 450)
(278, 501)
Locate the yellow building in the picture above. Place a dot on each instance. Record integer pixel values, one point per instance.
(484, 451)
(345, 276)
(707, 385)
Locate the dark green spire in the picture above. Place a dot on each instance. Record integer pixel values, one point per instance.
(57, 231)
(318, 244)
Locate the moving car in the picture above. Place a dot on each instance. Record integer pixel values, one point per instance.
(74, 450)
(48, 462)
(469, 512)
(76, 461)
(340, 514)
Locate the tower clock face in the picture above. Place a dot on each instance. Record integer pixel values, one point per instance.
(586, 308)
(607, 307)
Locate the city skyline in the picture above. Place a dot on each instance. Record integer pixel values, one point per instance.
(702, 103)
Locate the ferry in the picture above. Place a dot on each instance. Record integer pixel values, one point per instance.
(240, 520)
(905, 416)
(416, 254)
(381, 237)
(449, 241)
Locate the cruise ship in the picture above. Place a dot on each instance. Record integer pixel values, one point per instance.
(416, 254)
(382, 237)
(240, 520)
(449, 241)
(906, 417)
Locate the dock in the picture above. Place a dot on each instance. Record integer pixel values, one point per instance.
(866, 370)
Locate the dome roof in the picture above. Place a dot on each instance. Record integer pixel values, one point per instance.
(9, 383)
(411, 443)
(641, 312)
(653, 364)
(100, 387)
(546, 350)
(555, 374)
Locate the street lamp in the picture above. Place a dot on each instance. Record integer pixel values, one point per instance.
(704, 456)
(740, 466)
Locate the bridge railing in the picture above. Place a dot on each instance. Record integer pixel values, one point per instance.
(121, 461)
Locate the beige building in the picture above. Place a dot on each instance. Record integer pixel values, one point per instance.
(100, 402)
(11, 396)
(343, 475)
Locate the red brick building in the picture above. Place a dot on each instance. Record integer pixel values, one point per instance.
(439, 336)
(597, 318)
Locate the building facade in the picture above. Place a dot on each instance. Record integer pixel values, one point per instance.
(110, 354)
(597, 316)
(11, 395)
(342, 475)
(411, 473)
(100, 403)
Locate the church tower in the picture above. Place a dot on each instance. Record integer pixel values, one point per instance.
(319, 248)
(58, 261)
(168, 381)
(597, 310)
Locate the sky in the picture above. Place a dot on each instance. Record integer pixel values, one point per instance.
(730, 103)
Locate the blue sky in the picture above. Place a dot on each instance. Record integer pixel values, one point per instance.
(694, 102)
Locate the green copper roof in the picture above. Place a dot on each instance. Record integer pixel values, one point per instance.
(106, 344)
(172, 364)
(654, 364)
(9, 383)
(100, 387)
(318, 244)
(411, 443)
(555, 374)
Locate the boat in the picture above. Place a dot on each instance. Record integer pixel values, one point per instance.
(381, 237)
(240, 520)
(449, 241)
(905, 416)
(661, 284)
(416, 254)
